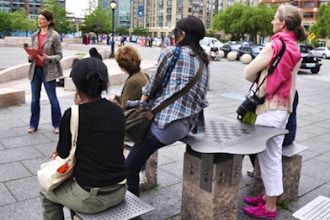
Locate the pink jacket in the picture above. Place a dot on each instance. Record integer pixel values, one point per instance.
(279, 86)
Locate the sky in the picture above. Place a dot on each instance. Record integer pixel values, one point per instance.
(77, 7)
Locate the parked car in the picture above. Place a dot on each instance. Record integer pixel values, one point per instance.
(252, 50)
(323, 52)
(133, 38)
(156, 42)
(228, 47)
(308, 60)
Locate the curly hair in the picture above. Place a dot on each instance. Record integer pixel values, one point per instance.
(129, 59)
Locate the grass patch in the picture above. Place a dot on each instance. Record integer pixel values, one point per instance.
(81, 54)
(284, 205)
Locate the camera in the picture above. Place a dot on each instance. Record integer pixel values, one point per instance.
(136, 103)
(249, 104)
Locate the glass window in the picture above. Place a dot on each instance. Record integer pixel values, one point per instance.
(309, 4)
(308, 14)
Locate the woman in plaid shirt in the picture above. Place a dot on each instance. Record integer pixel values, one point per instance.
(184, 115)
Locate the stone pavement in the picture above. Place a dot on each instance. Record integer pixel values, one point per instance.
(22, 153)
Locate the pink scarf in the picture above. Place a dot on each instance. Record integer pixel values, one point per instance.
(279, 82)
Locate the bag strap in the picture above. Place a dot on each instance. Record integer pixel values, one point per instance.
(74, 125)
(180, 93)
(273, 66)
(173, 62)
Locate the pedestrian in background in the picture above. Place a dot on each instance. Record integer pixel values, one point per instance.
(186, 113)
(45, 69)
(279, 90)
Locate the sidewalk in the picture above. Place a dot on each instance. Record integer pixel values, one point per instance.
(22, 153)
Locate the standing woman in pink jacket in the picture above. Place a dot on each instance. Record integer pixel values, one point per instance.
(278, 90)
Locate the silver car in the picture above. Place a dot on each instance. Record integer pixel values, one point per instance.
(323, 52)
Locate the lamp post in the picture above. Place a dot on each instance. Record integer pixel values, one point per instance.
(113, 6)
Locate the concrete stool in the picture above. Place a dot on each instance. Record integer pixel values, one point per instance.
(291, 174)
(69, 85)
(231, 56)
(9, 97)
(246, 58)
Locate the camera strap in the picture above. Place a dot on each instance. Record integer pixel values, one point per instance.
(272, 67)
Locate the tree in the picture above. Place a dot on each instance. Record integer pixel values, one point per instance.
(21, 22)
(140, 31)
(62, 23)
(98, 21)
(321, 28)
(122, 30)
(240, 19)
(260, 21)
(5, 24)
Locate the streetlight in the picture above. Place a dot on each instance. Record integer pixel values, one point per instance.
(113, 6)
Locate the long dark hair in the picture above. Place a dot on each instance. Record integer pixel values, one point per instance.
(194, 31)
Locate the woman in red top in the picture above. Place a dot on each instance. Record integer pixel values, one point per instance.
(45, 68)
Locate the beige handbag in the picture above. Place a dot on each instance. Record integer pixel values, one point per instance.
(53, 173)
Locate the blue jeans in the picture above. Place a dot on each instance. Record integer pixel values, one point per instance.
(154, 139)
(50, 87)
(137, 158)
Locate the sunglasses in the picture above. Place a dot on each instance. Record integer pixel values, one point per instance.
(178, 29)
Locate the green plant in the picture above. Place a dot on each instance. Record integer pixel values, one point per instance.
(284, 205)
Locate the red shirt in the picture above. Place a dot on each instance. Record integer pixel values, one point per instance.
(41, 38)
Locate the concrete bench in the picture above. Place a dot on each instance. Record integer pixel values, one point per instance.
(9, 97)
(131, 207)
(150, 171)
(291, 164)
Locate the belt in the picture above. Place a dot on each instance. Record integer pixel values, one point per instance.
(103, 190)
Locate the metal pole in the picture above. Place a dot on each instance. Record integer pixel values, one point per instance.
(112, 55)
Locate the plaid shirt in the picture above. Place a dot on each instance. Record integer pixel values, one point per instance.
(189, 107)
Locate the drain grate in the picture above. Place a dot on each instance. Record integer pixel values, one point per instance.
(318, 209)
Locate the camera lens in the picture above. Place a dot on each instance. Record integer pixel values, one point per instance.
(246, 106)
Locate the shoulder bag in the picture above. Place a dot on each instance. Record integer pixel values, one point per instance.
(138, 120)
(53, 173)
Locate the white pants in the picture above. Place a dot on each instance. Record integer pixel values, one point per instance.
(270, 160)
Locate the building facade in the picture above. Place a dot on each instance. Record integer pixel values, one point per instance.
(309, 8)
(122, 12)
(32, 7)
(160, 16)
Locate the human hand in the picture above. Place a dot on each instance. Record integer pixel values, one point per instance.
(111, 98)
(30, 58)
(44, 57)
(53, 155)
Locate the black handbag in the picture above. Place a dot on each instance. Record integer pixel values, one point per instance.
(138, 120)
